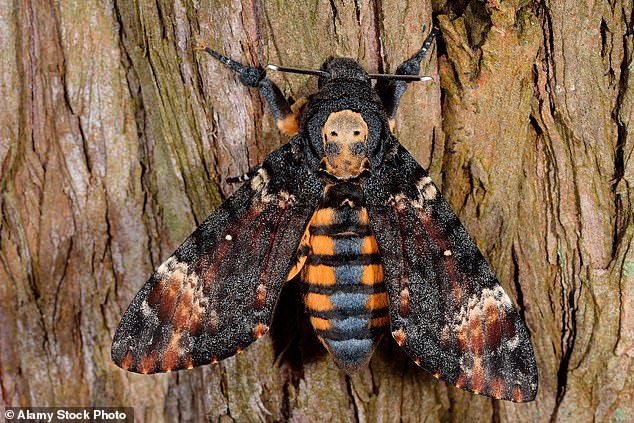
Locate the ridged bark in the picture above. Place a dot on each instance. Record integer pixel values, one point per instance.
(116, 137)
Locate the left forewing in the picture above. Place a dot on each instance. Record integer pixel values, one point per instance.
(448, 310)
(216, 294)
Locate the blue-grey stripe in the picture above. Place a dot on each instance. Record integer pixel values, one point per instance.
(349, 302)
(348, 246)
(349, 274)
(351, 350)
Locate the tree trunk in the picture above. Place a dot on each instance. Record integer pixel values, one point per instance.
(116, 138)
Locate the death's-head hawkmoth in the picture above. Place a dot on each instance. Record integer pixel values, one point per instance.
(344, 208)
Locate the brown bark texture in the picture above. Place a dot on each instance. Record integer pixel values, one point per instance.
(116, 137)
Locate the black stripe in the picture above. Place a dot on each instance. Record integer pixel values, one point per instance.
(343, 209)
(345, 229)
(341, 314)
(357, 288)
(343, 259)
(340, 192)
(341, 335)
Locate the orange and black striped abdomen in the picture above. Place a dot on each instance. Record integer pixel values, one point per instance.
(345, 294)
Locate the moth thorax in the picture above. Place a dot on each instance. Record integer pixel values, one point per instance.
(345, 137)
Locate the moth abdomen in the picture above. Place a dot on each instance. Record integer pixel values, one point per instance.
(346, 297)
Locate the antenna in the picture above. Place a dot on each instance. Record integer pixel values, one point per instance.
(298, 70)
(408, 78)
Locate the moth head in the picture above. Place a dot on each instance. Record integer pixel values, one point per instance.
(345, 145)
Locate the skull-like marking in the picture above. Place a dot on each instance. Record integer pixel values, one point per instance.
(345, 136)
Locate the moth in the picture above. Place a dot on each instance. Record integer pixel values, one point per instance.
(345, 209)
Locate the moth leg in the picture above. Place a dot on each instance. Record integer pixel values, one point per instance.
(244, 177)
(286, 120)
(392, 90)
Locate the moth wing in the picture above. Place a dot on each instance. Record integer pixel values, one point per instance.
(216, 294)
(447, 309)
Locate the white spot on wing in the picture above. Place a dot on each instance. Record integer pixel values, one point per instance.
(399, 200)
(499, 294)
(175, 266)
(228, 237)
(167, 266)
(425, 180)
(146, 310)
(285, 199)
(426, 188)
(259, 184)
(447, 253)
(429, 193)
(513, 342)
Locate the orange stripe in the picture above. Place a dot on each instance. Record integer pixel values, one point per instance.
(319, 274)
(323, 217)
(377, 322)
(322, 244)
(364, 218)
(369, 245)
(319, 323)
(376, 301)
(318, 302)
(372, 274)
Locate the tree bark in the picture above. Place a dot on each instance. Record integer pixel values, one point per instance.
(116, 137)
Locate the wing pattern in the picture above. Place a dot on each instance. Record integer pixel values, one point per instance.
(447, 309)
(216, 294)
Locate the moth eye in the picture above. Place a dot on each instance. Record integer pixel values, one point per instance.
(356, 133)
(357, 148)
(332, 149)
(333, 133)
